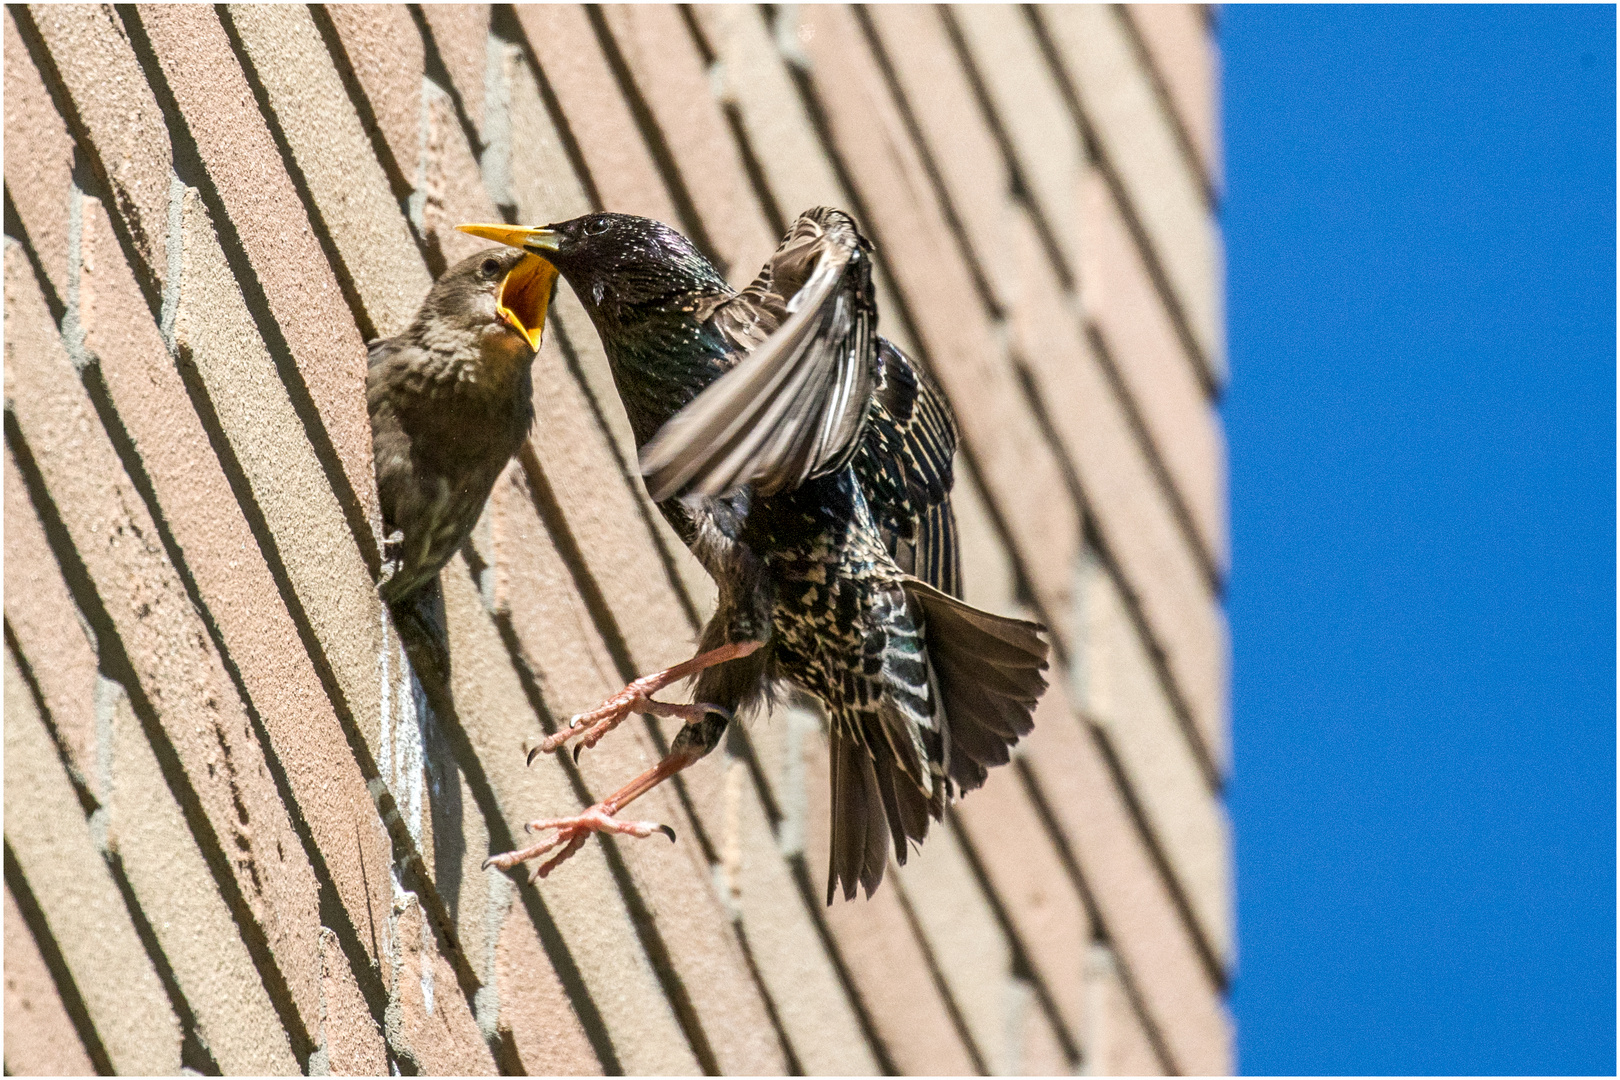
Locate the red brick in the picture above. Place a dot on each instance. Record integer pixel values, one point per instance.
(1132, 515)
(970, 163)
(348, 1043)
(200, 713)
(461, 33)
(40, 1037)
(1116, 1042)
(1137, 143)
(84, 913)
(1187, 61)
(1161, 378)
(674, 82)
(1034, 889)
(534, 1006)
(243, 164)
(224, 558)
(384, 51)
(109, 91)
(1138, 917)
(334, 155)
(966, 356)
(889, 964)
(39, 169)
(1029, 108)
(621, 166)
(42, 615)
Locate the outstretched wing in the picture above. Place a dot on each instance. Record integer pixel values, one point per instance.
(905, 467)
(795, 407)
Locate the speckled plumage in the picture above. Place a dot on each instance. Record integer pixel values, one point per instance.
(807, 463)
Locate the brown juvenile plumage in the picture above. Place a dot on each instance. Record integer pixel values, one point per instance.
(450, 404)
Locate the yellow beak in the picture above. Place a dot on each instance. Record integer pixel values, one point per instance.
(535, 240)
(524, 296)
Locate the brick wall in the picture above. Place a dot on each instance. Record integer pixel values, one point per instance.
(240, 836)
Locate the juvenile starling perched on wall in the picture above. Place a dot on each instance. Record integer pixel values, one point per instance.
(450, 403)
(807, 463)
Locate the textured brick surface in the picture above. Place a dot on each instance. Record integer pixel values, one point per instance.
(670, 77)
(1133, 516)
(171, 884)
(1137, 140)
(84, 913)
(39, 168)
(159, 630)
(969, 361)
(619, 161)
(227, 563)
(332, 152)
(1123, 695)
(1027, 106)
(1138, 915)
(1186, 60)
(1118, 1044)
(1162, 381)
(274, 832)
(297, 282)
(41, 1039)
(109, 93)
(916, 44)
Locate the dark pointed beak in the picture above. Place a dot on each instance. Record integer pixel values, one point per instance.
(537, 240)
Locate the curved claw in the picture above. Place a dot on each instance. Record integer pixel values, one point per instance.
(534, 752)
(577, 748)
(667, 831)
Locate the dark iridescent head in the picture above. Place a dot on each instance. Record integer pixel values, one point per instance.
(613, 259)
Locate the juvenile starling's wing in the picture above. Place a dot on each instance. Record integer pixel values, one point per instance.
(793, 408)
(904, 463)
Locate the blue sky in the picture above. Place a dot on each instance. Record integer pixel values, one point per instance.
(1420, 222)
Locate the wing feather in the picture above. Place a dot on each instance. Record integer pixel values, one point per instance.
(793, 408)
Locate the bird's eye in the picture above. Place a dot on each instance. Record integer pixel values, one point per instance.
(597, 226)
(490, 268)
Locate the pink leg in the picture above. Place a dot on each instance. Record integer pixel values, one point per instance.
(637, 698)
(572, 831)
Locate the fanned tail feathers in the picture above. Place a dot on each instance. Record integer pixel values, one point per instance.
(988, 669)
(984, 676)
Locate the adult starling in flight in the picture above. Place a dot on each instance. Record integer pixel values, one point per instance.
(807, 464)
(450, 403)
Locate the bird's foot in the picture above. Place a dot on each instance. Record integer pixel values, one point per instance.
(589, 727)
(570, 836)
(393, 556)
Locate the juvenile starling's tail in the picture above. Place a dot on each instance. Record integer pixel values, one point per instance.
(988, 669)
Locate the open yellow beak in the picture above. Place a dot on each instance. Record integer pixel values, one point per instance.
(533, 240)
(524, 295)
